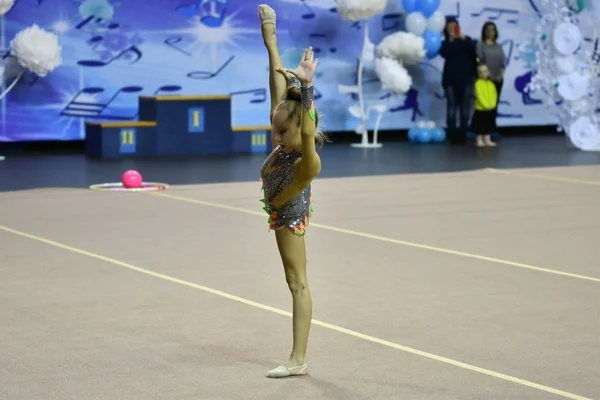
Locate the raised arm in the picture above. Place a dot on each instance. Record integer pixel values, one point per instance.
(277, 82)
(309, 165)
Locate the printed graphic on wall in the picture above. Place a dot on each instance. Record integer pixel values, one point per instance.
(114, 51)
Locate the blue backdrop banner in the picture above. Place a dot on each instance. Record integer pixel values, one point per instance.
(115, 51)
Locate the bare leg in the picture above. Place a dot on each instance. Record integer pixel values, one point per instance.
(277, 83)
(293, 256)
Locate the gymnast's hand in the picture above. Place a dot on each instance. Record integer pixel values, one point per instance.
(306, 69)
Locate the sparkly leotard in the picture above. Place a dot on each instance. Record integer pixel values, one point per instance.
(277, 173)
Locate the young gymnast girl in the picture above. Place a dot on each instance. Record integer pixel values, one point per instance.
(286, 176)
(486, 101)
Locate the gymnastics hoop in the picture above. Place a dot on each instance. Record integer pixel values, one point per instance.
(118, 187)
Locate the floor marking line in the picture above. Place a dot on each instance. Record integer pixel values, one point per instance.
(326, 325)
(542, 176)
(391, 240)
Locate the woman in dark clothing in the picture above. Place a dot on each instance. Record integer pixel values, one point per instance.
(458, 79)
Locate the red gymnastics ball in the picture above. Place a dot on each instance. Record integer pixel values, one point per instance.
(132, 179)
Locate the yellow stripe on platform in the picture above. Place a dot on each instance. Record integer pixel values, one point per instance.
(123, 124)
(251, 128)
(176, 98)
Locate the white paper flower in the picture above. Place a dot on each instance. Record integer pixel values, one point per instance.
(405, 47)
(393, 76)
(566, 38)
(584, 134)
(573, 86)
(355, 10)
(37, 50)
(566, 72)
(5, 6)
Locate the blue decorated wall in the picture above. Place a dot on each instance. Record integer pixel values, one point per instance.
(115, 51)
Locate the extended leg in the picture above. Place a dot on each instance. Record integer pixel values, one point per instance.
(277, 83)
(293, 255)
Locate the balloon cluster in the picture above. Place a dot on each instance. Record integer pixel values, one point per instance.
(426, 132)
(566, 70)
(425, 20)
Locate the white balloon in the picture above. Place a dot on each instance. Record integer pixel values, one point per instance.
(416, 23)
(436, 22)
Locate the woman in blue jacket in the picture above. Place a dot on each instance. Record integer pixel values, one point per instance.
(458, 79)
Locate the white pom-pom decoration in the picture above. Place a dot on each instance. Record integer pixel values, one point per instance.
(393, 75)
(5, 6)
(405, 47)
(584, 134)
(355, 10)
(37, 50)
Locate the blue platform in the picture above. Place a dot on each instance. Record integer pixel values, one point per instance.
(120, 139)
(253, 139)
(174, 126)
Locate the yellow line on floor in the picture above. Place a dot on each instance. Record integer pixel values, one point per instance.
(282, 312)
(543, 176)
(390, 240)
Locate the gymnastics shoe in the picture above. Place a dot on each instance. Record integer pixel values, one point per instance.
(284, 372)
(266, 14)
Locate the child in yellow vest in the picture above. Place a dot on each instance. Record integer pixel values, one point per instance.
(486, 101)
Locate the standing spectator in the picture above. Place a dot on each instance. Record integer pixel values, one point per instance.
(486, 100)
(490, 53)
(458, 79)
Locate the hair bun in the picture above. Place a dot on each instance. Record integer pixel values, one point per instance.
(294, 93)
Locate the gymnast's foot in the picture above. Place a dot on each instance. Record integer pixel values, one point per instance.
(267, 20)
(290, 368)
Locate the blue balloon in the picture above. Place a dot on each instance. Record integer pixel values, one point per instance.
(410, 5)
(428, 7)
(424, 135)
(433, 43)
(438, 135)
(413, 134)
